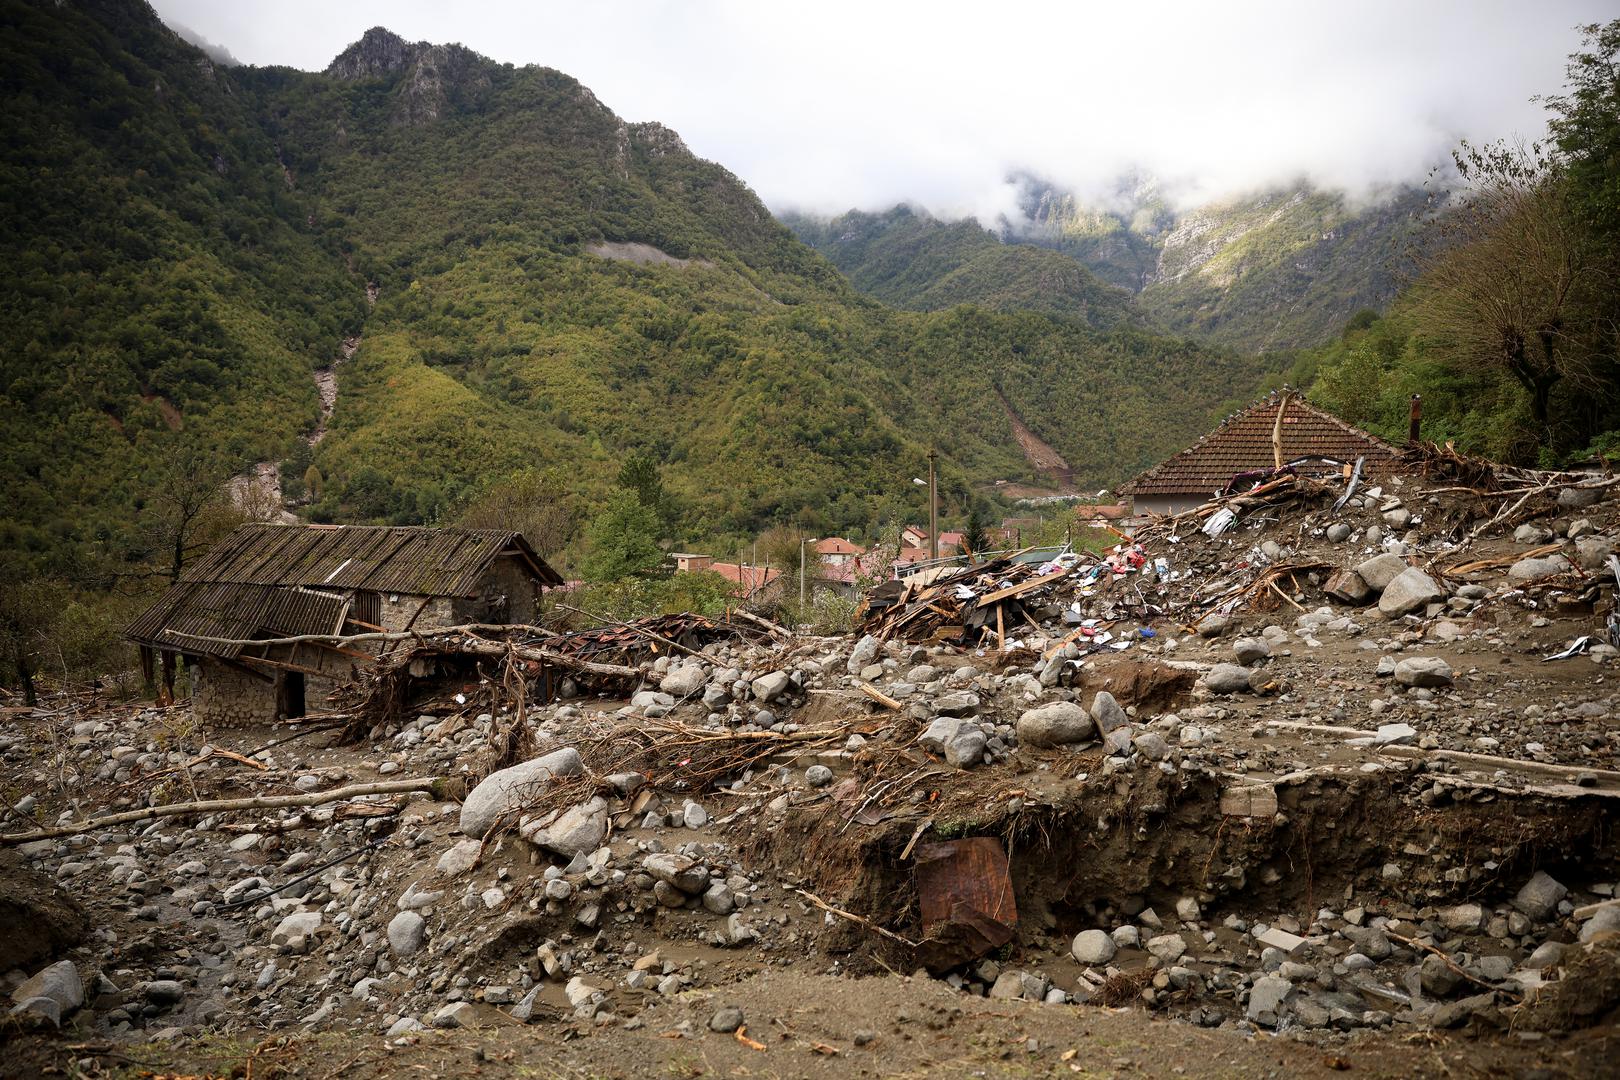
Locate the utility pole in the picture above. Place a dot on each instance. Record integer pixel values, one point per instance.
(933, 509)
(803, 540)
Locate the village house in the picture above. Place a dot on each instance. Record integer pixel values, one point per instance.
(1249, 446)
(273, 581)
(750, 582)
(836, 551)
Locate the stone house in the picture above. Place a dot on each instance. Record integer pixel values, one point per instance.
(273, 581)
(1245, 449)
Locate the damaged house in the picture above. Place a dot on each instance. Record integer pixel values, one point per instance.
(275, 581)
(1280, 433)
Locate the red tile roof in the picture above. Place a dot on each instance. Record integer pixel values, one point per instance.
(837, 545)
(749, 578)
(1243, 444)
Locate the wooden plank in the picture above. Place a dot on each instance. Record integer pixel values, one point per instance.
(965, 895)
(1019, 590)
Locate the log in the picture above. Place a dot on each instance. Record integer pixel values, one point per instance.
(432, 785)
(879, 696)
(473, 647)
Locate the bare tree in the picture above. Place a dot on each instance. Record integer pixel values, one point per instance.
(531, 501)
(186, 507)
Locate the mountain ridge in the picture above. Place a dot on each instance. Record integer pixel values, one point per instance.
(1278, 268)
(469, 193)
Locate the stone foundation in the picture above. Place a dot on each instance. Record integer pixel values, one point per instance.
(227, 696)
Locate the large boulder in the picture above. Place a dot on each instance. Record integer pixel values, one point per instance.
(957, 740)
(1061, 723)
(1227, 678)
(1540, 896)
(1093, 947)
(1107, 712)
(1423, 671)
(1575, 498)
(960, 703)
(866, 651)
(680, 871)
(1251, 650)
(769, 687)
(1593, 552)
(1348, 587)
(510, 788)
(1410, 590)
(60, 982)
(1380, 570)
(1534, 569)
(684, 681)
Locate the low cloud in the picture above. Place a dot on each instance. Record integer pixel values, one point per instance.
(219, 54)
(847, 104)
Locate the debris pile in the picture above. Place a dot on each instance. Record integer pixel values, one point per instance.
(1319, 758)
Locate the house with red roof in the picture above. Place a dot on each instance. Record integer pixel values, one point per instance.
(1241, 452)
(836, 551)
(752, 582)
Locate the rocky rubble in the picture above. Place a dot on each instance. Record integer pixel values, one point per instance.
(1379, 678)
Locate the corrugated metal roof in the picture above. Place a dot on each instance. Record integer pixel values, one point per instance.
(1243, 444)
(388, 559)
(233, 611)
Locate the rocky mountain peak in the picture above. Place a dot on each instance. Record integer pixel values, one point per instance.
(378, 52)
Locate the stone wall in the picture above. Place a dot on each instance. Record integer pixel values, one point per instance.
(506, 594)
(225, 695)
(398, 609)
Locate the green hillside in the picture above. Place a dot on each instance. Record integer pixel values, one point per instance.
(909, 259)
(186, 244)
(1278, 269)
(1282, 269)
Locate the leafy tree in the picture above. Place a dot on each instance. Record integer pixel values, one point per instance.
(1586, 127)
(1513, 287)
(621, 540)
(186, 506)
(974, 537)
(642, 474)
(533, 501)
(30, 608)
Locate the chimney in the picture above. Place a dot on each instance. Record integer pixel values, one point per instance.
(1415, 422)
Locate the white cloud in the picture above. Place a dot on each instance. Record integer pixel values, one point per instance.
(841, 104)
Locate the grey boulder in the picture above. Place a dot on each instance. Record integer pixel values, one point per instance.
(1227, 678)
(1410, 590)
(1061, 723)
(578, 830)
(1107, 712)
(1423, 671)
(1380, 570)
(510, 788)
(60, 982)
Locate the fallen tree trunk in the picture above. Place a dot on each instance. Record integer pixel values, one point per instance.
(432, 785)
(435, 638)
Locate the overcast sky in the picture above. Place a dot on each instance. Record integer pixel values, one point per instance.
(832, 105)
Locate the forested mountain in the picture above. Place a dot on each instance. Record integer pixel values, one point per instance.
(907, 258)
(184, 245)
(1278, 269)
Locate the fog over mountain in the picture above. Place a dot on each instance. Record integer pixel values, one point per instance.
(835, 105)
